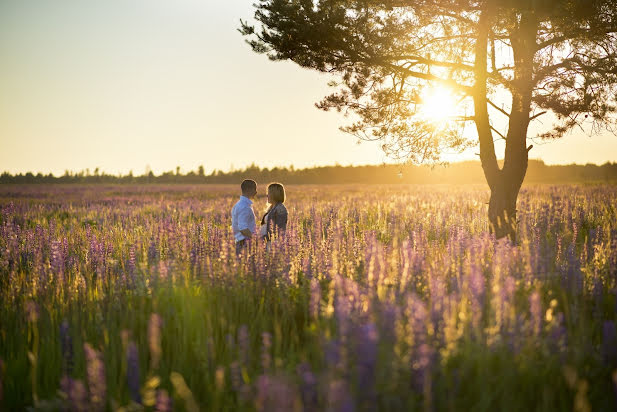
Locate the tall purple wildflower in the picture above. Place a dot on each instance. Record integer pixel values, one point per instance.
(96, 378)
(367, 362)
(574, 275)
(76, 394)
(437, 288)
(332, 353)
(66, 345)
(422, 369)
(418, 318)
(266, 358)
(315, 298)
(308, 387)
(237, 381)
(153, 252)
(236, 376)
(163, 269)
(476, 289)
(56, 260)
(558, 334)
(132, 267)
(132, 371)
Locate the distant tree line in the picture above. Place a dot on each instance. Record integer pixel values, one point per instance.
(463, 172)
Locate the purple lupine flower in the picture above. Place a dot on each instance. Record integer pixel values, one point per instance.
(132, 371)
(308, 387)
(56, 260)
(315, 298)
(558, 335)
(476, 287)
(132, 266)
(76, 394)
(332, 353)
(236, 376)
(237, 381)
(261, 398)
(367, 361)
(535, 310)
(437, 288)
(574, 273)
(266, 358)
(154, 339)
(422, 366)
(66, 344)
(96, 378)
(153, 252)
(418, 318)
(163, 269)
(163, 402)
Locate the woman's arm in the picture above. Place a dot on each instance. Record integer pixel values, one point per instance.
(280, 218)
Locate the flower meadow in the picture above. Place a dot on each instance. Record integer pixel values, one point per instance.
(384, 298)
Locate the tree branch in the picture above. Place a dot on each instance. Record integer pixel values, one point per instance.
(498, 132)
(498, 108)
(535, 116)
(468, 90)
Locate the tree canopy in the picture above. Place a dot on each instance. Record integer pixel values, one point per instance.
(564, 52)
(507, 62)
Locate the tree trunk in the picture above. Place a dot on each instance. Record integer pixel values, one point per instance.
(502, 208)
(506, 182)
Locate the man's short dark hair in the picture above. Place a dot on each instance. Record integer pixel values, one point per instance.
(248, 185)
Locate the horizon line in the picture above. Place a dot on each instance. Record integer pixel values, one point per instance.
(232, 169)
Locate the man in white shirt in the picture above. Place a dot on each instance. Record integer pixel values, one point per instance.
(243, 216)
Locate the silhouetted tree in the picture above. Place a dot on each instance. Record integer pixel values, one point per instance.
(516, 59)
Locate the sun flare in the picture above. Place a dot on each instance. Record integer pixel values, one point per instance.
(438, 104)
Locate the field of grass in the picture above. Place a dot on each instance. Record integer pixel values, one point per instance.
(379, 298)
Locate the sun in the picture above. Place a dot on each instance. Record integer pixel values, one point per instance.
(438, 104)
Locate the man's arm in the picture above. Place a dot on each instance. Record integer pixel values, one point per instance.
(246, 220)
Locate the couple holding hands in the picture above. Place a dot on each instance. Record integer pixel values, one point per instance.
(243, 222)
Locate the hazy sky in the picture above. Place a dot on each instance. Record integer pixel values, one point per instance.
(122, 84)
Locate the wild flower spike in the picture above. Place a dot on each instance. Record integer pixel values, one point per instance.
(132, 372)
(96, 378)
